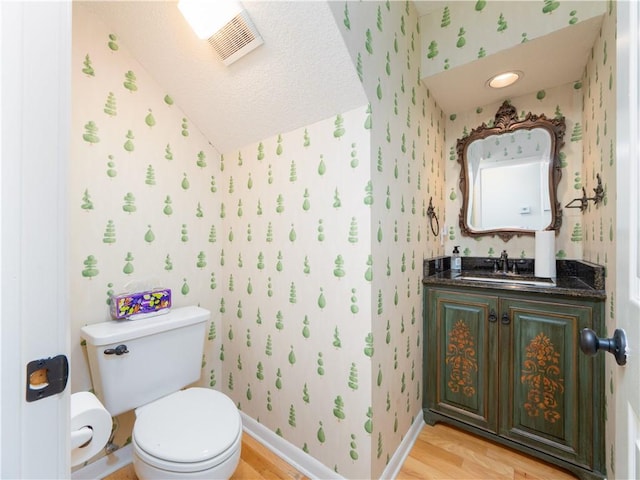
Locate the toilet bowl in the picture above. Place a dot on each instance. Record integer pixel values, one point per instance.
(194, 433)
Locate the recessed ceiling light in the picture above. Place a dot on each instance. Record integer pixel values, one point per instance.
(505, 79)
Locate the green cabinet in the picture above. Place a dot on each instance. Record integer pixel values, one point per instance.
(508, 366)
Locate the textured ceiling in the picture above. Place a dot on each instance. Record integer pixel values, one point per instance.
(303, 73)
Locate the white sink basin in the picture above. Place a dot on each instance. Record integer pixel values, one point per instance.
(513, 281)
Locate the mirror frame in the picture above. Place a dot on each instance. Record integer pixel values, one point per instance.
(506, 121)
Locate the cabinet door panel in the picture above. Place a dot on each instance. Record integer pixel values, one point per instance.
(542, 402)
(463, 352)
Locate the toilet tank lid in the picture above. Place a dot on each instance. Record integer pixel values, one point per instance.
(114, 331)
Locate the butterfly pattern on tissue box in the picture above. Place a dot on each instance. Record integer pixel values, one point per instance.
(146, 303)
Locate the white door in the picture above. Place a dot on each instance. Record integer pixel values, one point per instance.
(35, 83)
(627, 404)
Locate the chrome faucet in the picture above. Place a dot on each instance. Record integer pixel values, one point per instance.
(504, 260)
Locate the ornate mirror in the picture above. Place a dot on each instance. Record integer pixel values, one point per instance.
(509, 174)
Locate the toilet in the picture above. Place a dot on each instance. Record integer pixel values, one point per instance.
(145, 365)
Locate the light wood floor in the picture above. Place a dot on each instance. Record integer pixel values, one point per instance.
(444, 452)
(440, 452)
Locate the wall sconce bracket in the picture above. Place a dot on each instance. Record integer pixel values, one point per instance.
(584, 200)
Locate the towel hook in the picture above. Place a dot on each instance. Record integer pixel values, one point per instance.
(431, 213)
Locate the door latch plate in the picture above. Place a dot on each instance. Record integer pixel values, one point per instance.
(46, 377)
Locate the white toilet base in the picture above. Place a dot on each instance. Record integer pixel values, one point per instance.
(221, 471)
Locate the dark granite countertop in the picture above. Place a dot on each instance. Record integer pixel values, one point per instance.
(575, 278)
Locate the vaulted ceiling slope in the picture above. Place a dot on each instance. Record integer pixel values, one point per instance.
(302, 74)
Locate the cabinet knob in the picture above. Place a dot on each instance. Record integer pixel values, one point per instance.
(617, 345)
(492, 316)
(505, 319)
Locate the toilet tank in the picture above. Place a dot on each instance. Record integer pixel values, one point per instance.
(163, 354)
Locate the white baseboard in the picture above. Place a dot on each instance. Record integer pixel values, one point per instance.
(311, 467)
(291, 454)
(301, 461)
(392, 469)
(105, 465)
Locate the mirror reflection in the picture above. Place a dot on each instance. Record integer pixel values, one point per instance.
(509, 174)
(509, 181)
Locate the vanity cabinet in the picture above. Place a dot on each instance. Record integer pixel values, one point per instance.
(508, 366)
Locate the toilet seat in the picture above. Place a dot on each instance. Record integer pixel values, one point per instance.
(187, 431)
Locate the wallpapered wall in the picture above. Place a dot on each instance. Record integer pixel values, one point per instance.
(407, 168)
(307, 246)
(463, 31)
(599, 157)
(327, 351)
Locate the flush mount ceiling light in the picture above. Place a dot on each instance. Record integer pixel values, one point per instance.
(505, 79)
(207, 17)
(224, 24)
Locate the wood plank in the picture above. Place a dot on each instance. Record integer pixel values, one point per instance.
(244, 470)
(125, 473)
(259, 455)
(268, 465)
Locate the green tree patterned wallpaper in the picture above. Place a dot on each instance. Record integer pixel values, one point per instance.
(462, 31)
(407, 168)
(599, 157)
(307, 246)
(295, 287)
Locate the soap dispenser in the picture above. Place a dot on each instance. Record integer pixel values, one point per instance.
(456, 261)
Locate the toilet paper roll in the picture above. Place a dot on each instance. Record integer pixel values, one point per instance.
(545, 259)
(90, 427)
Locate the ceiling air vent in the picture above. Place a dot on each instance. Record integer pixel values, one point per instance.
(236, 38)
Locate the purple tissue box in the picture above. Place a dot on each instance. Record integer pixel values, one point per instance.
(126, 305)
